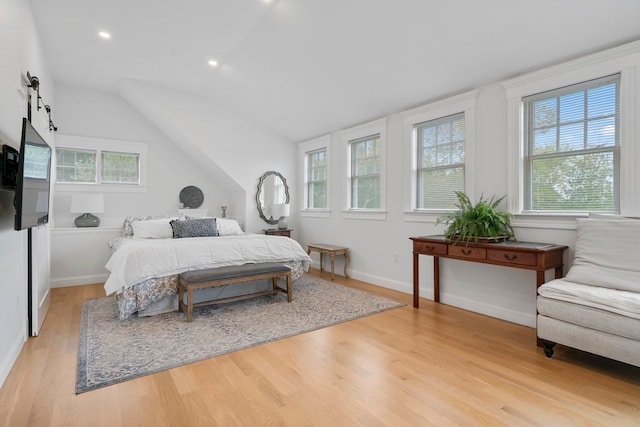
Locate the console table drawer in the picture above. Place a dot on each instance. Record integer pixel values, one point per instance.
(512, 257)
(430, 248)
(468, 252)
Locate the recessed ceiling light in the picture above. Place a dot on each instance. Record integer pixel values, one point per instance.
(104, 35)
(213, 62)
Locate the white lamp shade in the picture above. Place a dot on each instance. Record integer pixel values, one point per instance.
(279, 210)
(87, 203)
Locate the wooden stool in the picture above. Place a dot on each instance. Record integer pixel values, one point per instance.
(332, 250)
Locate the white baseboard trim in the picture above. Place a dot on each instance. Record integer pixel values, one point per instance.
(454, 300)
(390, 284)
(78, 280)
(489, 310)
(11, 356)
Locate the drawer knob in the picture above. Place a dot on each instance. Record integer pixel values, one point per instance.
(510, 257)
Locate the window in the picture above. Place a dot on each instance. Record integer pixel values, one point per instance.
(75, 165)
(317, 179)
(439, 146)
(364, 148)
(440, 162)
(120, 168)
(571, 148)
(80, 166)
(599, 142)
(83, 164)
(365, 173)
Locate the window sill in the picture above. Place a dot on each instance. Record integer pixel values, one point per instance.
(315, 213)
(373, 215)
(555, 221)
(558, 221)
(100, 188)
(430, 215)
(87, 230)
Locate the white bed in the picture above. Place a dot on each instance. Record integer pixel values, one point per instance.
(144, 271)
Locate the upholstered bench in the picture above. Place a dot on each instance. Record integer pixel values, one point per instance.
(212, 277)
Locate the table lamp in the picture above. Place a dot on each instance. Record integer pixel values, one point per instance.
(87, 204)
(281, 212)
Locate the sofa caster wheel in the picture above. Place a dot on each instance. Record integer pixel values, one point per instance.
(548, 348)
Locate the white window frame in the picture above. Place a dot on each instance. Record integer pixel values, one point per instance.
(463, 103)
(309, 180)
(624, 60)
(376, 127)
(106, 145)
(323, 142)
(528, 139)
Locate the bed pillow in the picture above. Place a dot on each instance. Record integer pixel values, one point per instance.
(228, 227)
(127, 229)
(197, 227)
(152, 229)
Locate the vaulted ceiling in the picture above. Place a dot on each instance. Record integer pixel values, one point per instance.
(307, 67)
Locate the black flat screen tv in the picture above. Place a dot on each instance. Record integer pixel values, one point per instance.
(34, 179)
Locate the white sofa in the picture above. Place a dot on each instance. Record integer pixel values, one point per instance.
(596, 307)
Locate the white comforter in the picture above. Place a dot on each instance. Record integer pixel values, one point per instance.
(136, 260)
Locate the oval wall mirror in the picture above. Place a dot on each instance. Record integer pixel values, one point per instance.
(272, 188)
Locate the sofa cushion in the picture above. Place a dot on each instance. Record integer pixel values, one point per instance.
(607, 254)
(624, 303)
(590, 317)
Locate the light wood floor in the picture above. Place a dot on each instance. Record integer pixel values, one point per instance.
(435, 366)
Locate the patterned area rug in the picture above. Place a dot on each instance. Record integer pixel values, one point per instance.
(112, 350)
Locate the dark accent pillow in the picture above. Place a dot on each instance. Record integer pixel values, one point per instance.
(197, 227)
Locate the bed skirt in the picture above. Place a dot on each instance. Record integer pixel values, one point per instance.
(159, 295)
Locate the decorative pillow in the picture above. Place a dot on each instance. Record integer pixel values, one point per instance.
(197, 227)
(228, 227)
(127, 230)
(152, 229)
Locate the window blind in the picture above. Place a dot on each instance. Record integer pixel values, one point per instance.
(440, 161)
(365, 172)
(572, 147)
(317, 179)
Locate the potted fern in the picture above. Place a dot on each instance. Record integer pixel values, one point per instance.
(479, 223)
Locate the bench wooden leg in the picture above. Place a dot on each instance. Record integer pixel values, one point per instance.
(180, 296)
(289, 288)
(189, 304)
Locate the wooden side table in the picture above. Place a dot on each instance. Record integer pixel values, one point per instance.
(332, 250)
(277, 232)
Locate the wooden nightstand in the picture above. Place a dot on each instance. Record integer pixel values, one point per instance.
(277, 232)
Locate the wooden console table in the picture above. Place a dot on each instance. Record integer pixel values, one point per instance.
(526, 255)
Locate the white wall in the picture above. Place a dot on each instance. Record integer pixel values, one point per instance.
(191, 142)
(235, 149)
(89, 113)
(20, 52)
(79, 255)
(381, 251)
(376, 245)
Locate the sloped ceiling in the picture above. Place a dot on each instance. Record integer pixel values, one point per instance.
(303, 68)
